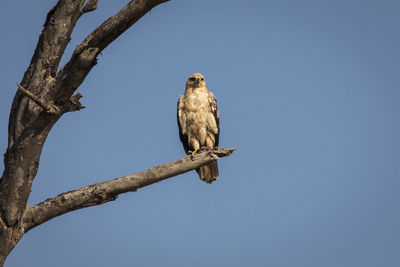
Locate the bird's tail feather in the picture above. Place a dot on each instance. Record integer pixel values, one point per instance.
(208, 173)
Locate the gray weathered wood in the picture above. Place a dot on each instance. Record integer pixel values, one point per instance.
(100, 193)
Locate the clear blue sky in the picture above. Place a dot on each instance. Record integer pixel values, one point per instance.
(308, 92)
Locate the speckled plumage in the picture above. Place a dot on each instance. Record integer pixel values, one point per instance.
(198, 121)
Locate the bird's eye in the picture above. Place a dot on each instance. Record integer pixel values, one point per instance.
(192, 79)
(202, 79)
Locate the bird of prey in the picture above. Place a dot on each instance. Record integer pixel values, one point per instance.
(198, 122)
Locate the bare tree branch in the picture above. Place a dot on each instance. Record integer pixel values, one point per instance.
(84, 57)
(101, 193)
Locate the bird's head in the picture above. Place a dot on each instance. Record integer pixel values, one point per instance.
(196, 80)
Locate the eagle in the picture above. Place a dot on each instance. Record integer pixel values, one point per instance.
(198, 122)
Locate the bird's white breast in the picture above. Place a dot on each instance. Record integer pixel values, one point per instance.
(196, 115)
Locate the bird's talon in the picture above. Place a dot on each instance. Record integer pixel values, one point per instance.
(192, 153)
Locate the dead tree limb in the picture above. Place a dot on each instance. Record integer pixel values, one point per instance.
(101, 193)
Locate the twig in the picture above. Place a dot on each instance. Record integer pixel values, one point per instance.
(49, 107)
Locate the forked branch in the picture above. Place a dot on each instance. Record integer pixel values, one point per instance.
(85, 54)
(97, 194)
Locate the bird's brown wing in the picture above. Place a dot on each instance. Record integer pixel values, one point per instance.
(214, 110)
(183, 137)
